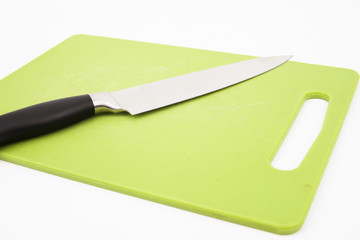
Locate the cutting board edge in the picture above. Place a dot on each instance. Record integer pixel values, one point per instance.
(282, 229)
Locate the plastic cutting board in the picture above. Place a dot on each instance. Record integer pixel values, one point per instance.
(211, 155)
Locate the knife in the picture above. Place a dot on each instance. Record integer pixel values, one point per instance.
(50, 116)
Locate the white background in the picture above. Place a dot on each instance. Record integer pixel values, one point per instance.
(35, 205)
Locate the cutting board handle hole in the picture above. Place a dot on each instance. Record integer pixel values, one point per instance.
(302, 134)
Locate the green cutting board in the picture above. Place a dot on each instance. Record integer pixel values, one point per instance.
(211, 155)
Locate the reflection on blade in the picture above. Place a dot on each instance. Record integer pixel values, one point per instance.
(165, 92)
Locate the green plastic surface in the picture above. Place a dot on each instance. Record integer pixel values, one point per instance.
(211, 155)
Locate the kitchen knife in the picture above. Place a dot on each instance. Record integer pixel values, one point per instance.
(50, 116)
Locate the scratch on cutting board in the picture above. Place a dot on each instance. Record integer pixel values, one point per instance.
(159, 68)
(191, 116)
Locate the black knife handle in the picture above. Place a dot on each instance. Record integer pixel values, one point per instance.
(44, 118)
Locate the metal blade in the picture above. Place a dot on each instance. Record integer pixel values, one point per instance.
(165, 92)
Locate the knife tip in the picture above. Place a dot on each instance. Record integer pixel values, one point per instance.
(286, 57)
